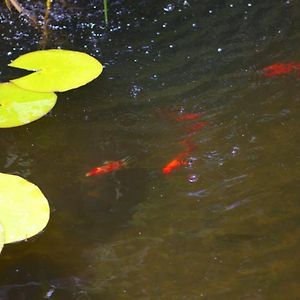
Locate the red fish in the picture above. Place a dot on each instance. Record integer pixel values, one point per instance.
(196, 126)
(180, 159)
(188, 117)
(109, 167)
(174, 164)
(280, 69)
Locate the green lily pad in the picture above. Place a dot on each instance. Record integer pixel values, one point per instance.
(24, 210)
(1, 237)
(56, 70)
(19, 106)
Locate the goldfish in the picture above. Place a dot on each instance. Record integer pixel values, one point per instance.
(180, 159)
(174, 164)
(196, 126)
(188, 117)
(110, 166)
(177, 116)
(280, 69)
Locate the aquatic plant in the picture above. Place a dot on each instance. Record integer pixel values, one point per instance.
(15, 4)
(20, 107)
(56, 70)
(30, 97)
(105, 9)
(1, 237)
(20, 9)
(24, 210)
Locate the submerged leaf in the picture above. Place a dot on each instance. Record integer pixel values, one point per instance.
(19, 106)
(56, 70)
(24, 210)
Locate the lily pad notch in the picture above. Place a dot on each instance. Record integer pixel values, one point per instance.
(56, 70)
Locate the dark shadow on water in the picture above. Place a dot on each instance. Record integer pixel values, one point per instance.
(101, 207)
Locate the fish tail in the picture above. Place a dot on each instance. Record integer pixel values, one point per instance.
(128, 161)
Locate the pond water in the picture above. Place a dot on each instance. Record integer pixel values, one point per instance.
(225, 226)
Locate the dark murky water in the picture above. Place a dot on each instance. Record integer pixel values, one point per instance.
(227, 226)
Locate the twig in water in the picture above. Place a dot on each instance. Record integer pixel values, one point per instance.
(20, 9)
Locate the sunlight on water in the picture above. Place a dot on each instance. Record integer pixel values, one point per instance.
(223, 225)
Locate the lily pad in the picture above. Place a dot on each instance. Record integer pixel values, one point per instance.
(1, 237)
(56, 70)
(24, 210)
(19, 106)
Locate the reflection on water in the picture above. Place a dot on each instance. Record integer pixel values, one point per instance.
(225, 226)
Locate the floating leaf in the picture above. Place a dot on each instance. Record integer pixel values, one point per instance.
(19, 106)
(56, 70)
(1, 237)
(24, 210)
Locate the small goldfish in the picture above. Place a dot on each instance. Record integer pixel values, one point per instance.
(174, 164)
(196, 126)
(180, 159)
(110, 166)
(280, 69)
(188, 117)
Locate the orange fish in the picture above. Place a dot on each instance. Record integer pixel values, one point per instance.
(196, 126)
(280, 69)
(174, 164)
(188, 117)
(180, 159)
(110, 166)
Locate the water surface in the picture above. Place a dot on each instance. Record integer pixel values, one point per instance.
(225, 227)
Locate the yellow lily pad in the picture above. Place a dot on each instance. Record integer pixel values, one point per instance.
(19, 106)
(56, 70)
(1, 237)
(24, 210)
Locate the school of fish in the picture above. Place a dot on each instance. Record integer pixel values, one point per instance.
(181, 159)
